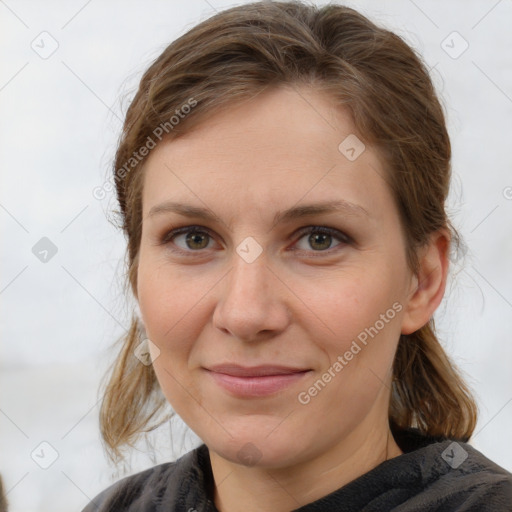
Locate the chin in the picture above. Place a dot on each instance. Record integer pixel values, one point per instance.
(259, 449)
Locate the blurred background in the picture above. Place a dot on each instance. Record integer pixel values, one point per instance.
(68, 72)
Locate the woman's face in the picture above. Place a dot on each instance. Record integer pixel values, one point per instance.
(277, 306)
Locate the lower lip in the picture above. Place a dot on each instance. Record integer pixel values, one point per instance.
(247, 387)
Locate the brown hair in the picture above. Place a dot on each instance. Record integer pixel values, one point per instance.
(233, 56)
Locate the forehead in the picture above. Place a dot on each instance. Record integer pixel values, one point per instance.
(270, 151)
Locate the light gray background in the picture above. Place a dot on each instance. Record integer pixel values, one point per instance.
(59, 122)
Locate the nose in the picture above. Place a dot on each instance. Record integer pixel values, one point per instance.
(252, 304)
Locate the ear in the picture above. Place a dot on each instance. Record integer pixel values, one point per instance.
(428, 286)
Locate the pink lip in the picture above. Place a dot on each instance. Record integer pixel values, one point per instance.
(255, 381)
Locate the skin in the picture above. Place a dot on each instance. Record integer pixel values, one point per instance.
(298, 304)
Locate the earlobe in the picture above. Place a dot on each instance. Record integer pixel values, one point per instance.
(427, 288)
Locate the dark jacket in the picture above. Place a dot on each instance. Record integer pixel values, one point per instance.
(431, 475)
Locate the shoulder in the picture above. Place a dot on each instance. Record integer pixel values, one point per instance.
(143, 491)
(479, 482)
(436, 473)
(460, 478)
(135, 492)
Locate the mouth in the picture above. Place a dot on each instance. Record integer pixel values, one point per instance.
(255, 381)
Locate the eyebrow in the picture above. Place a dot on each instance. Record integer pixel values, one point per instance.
(296, 212)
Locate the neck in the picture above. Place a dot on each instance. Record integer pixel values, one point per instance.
(285, 489)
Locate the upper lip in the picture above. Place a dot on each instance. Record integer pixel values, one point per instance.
(254, 371)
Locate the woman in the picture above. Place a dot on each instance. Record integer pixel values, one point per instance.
(282, 175)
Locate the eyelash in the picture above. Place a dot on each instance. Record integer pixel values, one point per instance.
(343, 238)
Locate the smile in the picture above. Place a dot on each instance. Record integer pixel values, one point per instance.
(257, 381)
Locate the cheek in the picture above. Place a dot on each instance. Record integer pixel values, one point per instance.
(177, 307)
(363, 329)
(170, 305)
(346, 303)
(173, 316)
(359, 315)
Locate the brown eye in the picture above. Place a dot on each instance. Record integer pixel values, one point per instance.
(321, 238)
(320, 241)
(197, 240)
(189, 239)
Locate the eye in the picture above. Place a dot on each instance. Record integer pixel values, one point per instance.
(320, 238)
(189, 238)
